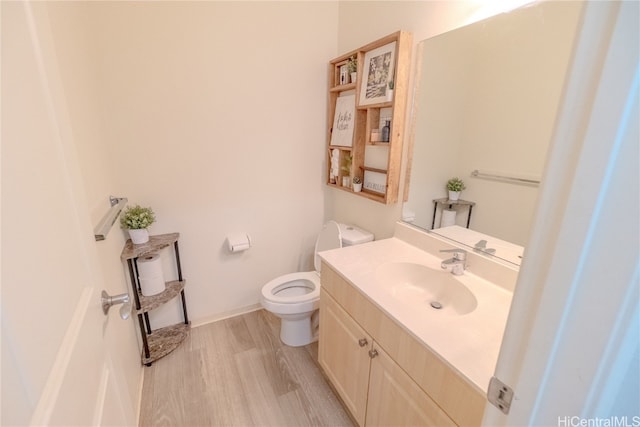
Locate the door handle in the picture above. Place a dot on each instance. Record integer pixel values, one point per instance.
(107, 301)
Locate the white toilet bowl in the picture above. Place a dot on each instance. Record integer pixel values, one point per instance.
(295, 297)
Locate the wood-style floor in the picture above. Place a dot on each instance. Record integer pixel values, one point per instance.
(237, 372)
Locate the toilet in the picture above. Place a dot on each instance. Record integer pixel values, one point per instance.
(295, 297)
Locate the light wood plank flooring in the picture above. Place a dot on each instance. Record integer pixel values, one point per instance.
(237, 372)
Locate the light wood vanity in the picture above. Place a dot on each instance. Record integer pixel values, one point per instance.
(383, 374)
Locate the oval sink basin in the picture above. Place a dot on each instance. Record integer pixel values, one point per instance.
(435, 290)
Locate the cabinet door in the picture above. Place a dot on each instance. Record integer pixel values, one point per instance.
(396, 400)
(344, 355)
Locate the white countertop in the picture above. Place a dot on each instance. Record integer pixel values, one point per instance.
(468, 343)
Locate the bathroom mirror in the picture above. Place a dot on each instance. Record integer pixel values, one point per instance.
(487, 98)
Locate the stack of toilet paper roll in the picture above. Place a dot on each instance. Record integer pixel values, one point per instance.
(150, 274)
(448, 218)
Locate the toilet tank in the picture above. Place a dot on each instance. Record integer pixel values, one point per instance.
(352, 235)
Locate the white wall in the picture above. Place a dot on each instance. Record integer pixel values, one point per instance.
(364, 21)
(213, 114)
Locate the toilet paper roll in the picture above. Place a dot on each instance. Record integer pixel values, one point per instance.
(238, 242)
(150, 266)
(448, 218)
(152, 286)
(408, 215)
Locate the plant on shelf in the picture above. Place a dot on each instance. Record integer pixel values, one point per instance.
(389, 93)
(136, 220)
(352, 66)
(346, 168)
(455, 186)
(357, 184)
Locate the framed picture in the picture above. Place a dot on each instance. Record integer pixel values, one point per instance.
(378, 72)
(375, 182)
(343, 120)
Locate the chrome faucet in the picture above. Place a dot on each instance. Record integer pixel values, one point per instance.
(458, 263)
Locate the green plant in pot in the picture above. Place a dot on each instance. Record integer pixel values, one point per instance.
(352, 66)
(455, 186)
(136, 220)
(346, 168)
(390, 86)
(357, 184)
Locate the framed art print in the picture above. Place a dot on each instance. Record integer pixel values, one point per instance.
(375, 182)
(378, 72)
(343, 120)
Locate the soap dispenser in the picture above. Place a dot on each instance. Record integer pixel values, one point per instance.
(386, 130)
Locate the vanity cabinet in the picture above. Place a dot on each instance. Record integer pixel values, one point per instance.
(159, 342)
(382, 373)
(373, 159)
(395, 399)
(344, 355)
(373, 387)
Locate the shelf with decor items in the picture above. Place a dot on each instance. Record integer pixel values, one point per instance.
(159, 342)
(366, 118)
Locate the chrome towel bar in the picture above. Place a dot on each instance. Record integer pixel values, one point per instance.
(104, 226)
(513, 179)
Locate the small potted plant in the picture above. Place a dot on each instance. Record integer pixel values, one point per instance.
(352, 66)
(357, 184)
(346, 168)
(390, 91)
(455, 186)
(136, 220)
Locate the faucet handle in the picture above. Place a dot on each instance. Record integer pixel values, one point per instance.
(459, 254)
(482, 244)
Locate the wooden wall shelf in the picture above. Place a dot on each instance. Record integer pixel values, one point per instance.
(369, 116)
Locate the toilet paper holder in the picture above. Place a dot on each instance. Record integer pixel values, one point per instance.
(238, 242)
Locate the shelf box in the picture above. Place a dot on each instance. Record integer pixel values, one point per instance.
(385, 189)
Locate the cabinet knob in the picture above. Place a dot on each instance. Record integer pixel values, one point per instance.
(363, 342)
(373, 353)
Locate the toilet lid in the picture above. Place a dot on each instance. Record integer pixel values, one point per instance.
(329, 238)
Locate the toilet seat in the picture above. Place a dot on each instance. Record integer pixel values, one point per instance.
(275, 290)
(295, 297)
(274, 293)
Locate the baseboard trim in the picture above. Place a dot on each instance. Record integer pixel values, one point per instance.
(225, 315)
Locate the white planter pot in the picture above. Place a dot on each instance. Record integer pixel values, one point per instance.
(353, 77)
(139, 236)
(357, 188)
(454, 195)
(389, 95)
(345, 181)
